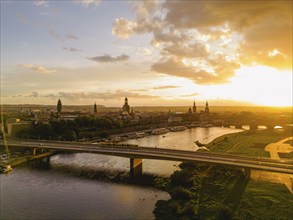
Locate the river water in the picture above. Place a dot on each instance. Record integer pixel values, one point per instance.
(66, 190)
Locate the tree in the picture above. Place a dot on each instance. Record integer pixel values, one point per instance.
(69, 135)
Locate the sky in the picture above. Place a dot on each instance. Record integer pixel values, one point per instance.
(169, 53)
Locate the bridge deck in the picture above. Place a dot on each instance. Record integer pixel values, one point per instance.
(131, 151)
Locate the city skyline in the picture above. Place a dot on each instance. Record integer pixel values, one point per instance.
(153, 52)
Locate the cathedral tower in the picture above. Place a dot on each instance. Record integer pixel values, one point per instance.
(59, 106)
(207, 110)
(126, 107)
(95, 108)
(194, 107)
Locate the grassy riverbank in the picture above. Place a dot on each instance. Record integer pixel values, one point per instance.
(248, 143)
(216, 192)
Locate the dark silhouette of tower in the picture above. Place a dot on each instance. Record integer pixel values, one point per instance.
(207, 110)
(194, 107)
(126, 107)
(189, 111)
(95, 108)
(59, 106)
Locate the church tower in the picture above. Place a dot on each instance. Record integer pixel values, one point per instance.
(95, 108)
(59, 106)
(207, 110)
(194, 107)
(126, 107)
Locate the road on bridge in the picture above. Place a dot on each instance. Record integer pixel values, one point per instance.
(133, 151)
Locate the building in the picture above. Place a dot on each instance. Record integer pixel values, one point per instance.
(126, 107)
(175, 119)
(194, 107)
(16, 127)
(207, 110)
(59, 107)
(95, 109)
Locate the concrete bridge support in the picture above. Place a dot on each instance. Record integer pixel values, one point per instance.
(238, 126)
(135, 167)
(252, 127)
(270, 127)
(47, 159)
(41, 162)
(246, 172)
(36, 151)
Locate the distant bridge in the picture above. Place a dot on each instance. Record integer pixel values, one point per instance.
(136, 154)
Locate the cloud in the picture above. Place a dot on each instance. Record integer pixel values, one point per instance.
(109, 59)
(118, 94)
(34, 94)
(56, 35)
(166, 87)
(87, 3)
(206, 41)
(71, 49)
(27, 21)
(144, 8)
(264, 27)
(41, 3)
(190, 95)
(145, 51)
(220, 72)
(35, 68)
(140, 90)
(123, 28)
(72, 36)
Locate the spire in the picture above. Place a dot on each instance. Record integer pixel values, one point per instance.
(207, 107)
(59, 106)
(194, 107)
(126, 107)
(95, 108)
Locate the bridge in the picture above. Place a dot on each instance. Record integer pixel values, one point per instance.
(136, 154)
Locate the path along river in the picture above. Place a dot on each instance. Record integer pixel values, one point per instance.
(30, 193)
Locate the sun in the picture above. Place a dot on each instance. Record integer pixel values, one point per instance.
(263, 85)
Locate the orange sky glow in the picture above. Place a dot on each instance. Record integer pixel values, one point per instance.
(153, 52)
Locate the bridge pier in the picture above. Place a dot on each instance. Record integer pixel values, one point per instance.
(238, 126)
(270, 127)
(47, 159)
(42, 162)
(252, 127)
(135, 167)
(246, 172)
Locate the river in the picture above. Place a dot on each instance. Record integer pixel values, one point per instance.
(66, 190)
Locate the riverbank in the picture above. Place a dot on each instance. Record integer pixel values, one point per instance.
(249, 143)
(215, 192)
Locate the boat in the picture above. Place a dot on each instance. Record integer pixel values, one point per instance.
(5, 168)
(178, 128)
(140, 134)
(193, 125)
(206, 125)
(160, 131)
